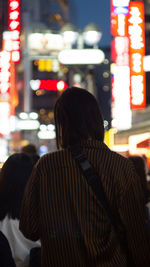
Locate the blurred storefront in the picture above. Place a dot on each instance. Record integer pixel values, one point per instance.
(130, 28)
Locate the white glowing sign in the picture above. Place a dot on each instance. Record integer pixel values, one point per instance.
(45, 43)
(81, 56)
(120, 89)
(28, 124)
(146, 63)
(46, 134)
(121, 112)
(5, 58)
(14, 27)
(4, 118)
(121, 24)
(137, 90)
(120, 3)
(120, 50)
(134, 140)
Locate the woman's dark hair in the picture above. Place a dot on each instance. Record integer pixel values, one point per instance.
(139, 164)
(30, 149)
(77, 117)
(13, 178)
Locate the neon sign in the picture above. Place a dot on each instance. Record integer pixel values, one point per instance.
(121, 10)
(120, 2)
(5, 58)
(48, 85)
(119, 18)
(120, 51)
(14, 27)
(121, 112)
(120, 90)
(136, 55)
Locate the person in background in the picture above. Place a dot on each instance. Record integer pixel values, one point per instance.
(6, 259)
(31, 151)
(141, 169)
(61, 209)
(13, 178)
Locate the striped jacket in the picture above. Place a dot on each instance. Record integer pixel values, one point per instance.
(61, 210)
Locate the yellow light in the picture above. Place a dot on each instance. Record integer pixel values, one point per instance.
(112, 68)
(40, 92)
(65, 70)
(109, 137)
(41, 65)
(48, 65)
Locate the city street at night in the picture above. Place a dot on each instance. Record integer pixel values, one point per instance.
(74, 133)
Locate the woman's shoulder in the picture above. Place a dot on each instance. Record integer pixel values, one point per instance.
(10, 228)
(56, 158)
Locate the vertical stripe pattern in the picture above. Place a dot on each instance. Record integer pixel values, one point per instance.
(61, 210)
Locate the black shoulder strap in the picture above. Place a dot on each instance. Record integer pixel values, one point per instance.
(95, 183)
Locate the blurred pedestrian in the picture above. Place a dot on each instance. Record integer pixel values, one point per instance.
(6, 259)
(31, 151)
(13, 178)
(62, 207)
(141, 169)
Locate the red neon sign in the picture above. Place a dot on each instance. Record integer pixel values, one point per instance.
(136, 54)
(119, 22)
(13, 91)
(52, 85)
(49, 85)
(14, 26)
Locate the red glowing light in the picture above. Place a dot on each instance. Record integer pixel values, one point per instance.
(14, 26)
(52, 85)
(136, 55)
(119, 23)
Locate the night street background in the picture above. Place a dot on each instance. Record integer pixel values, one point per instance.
(84, 12)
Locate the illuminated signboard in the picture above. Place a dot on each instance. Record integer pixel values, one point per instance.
(5, 58)
(146, 63)
(119, 27)
(49, 85)
(81, 56)
(13, 91)
(121, 10)
(10, 71)
(14, 26)
(120, 82)
(121, 112)
(119, 18)
(136, 55)
(120, 3)
(44, 43)
(120, 51)
(4, 118)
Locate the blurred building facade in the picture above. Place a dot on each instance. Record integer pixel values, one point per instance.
(136, 140)
(47, 13)
(3, 18)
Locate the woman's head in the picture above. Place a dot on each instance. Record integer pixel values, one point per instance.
(77, 117)
(13, 178)
(31, 151)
